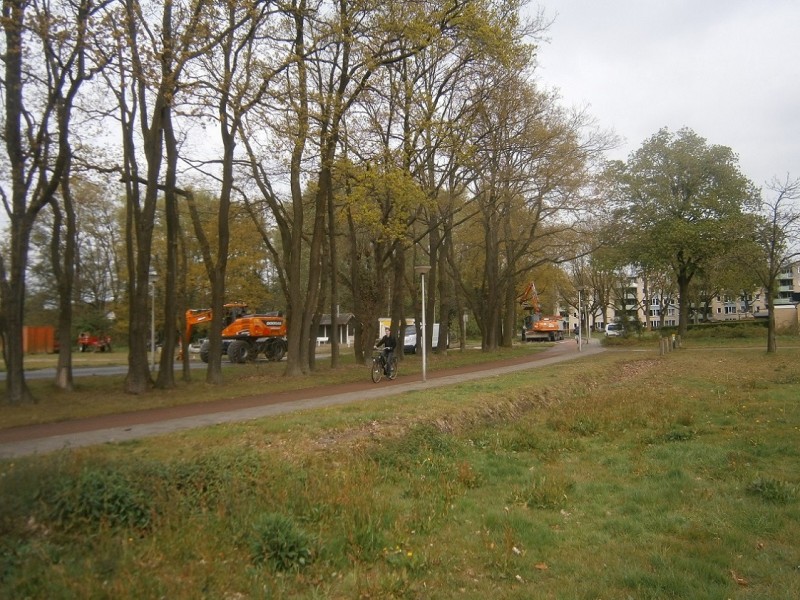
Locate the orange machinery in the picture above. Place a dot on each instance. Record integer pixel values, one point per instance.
(536, 327)
(244, 336)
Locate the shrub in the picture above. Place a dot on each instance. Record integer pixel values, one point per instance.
(726, 329)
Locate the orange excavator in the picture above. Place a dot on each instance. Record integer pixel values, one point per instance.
(536, 327)
(245, 336)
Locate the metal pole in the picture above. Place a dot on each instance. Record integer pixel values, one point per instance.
(422, 269)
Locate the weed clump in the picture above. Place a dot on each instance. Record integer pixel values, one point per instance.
(277, 541)
(773, 490)
(547, 493)
(98, 497)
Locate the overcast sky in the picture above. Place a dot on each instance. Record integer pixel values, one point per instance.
(727, 69)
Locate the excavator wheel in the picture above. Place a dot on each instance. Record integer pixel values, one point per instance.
(275, 350)
(204, 347)
(239, 351)
(253, 350)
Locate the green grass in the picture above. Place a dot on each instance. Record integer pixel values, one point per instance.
(623, 475)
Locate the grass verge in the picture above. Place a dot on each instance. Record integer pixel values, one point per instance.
(93, 396)
(623, 475)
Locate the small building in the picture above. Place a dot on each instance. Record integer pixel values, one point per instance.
(345, 329)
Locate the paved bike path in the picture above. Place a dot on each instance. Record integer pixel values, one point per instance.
(51, 437)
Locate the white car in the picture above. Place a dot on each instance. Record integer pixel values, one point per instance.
(614, 329)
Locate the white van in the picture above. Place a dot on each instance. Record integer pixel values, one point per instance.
(614, 330)
(410, 338)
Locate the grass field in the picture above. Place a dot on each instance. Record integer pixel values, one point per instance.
(623, 475)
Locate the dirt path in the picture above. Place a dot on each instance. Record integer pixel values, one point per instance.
(49, 437)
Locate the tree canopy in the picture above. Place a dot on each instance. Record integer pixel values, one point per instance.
(683, 202)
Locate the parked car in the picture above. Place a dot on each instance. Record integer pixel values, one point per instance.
(410, 338)
(194, 347)
(614, 330)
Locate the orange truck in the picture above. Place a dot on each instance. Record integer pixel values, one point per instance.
(536, 327)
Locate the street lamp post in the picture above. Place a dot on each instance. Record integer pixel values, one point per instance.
(153, 276)
(422, 270)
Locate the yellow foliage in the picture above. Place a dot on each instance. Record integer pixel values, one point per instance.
(382, 201)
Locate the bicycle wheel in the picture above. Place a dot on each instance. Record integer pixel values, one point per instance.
(377, 370)
(393, 368)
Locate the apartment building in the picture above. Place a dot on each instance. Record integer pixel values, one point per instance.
(661, 310)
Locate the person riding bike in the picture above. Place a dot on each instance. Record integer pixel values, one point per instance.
(389, 343)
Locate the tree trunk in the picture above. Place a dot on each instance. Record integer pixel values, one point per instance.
(399, 300)
(333, 269)
(509, 319)
(684, 276)
(490, 305)
(445, 302)
(166, 372)
(63, 261)
(22, 216)
(17, 391)
(294, 246)
(772, 342)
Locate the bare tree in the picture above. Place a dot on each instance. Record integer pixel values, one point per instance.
(533, 169)
(777, 240)
(229, 81)
(151, 50)
(45, 66)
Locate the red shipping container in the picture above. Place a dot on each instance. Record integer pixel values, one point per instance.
(36, 340)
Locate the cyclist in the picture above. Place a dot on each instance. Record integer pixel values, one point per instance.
(389, 343)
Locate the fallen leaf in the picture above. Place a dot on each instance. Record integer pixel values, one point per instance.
(738, 579)
(541, 567)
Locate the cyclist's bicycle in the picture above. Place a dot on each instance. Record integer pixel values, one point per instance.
(380, 368)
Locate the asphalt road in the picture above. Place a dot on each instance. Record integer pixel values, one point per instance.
(50, 373)
(51, 437)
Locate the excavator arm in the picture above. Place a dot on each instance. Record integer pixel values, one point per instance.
(529, 299)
